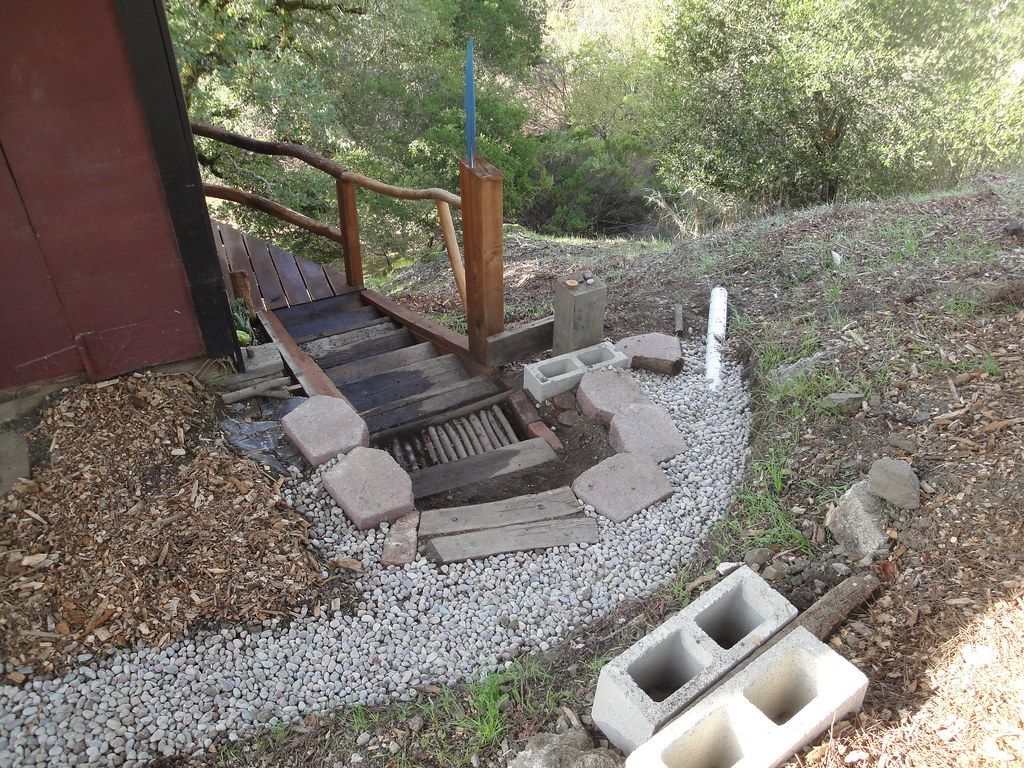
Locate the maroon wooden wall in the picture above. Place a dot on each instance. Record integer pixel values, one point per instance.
(90, 270)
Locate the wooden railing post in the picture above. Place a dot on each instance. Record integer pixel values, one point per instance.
(349, 218)
(485, 268)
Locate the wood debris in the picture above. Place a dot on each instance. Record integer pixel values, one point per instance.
(138, 528)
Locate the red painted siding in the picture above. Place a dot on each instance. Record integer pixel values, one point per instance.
(91, 271)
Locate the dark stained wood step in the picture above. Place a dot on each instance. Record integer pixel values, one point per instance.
(332, 325)
(366, 347)
(385, 361)
(483, 466)
(380, 438)
(302, 313)
(541, 534)
(433, 402)
(560, 502)
(404, 381)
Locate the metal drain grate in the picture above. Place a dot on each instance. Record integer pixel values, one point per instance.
(458, 438)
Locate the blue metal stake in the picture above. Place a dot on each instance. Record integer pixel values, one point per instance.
(469, 98)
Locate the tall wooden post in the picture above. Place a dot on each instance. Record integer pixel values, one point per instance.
(485, 267)
(349, 219)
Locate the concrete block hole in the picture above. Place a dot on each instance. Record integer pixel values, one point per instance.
(790, 686)
(717, 741)
(668, 666)
(731, 617)
(557, 368)
(595, 356)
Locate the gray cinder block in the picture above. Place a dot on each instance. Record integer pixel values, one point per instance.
(652, 681)
(563, 372)
(763, 714)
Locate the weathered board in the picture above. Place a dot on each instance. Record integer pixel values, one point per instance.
(385, 361)
(541, 534)
(546, 505)
(322, 335)
(403, 382)
(365, 348)
(291, 316)
(434, 401)
(483, 466)
(428, 421)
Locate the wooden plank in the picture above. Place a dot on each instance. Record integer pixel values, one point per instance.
(434, 401)
(313, 380)
(335, 326)
(423, 329)
(403, 382)
(483, 466)
(222, 254)
(559, 502)
(238, 260)
(519, 343)
(291, 278)
(542, 534)
(317, 284)
(322, 308)
(338, 283)
(482, 242)
(266, 272)
(385, 361)
(428, 421)
(367, 347)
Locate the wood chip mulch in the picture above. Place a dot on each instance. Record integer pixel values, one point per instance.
(138, 527)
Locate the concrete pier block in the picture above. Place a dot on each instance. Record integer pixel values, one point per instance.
(580, 300)
(647, 685)
(762, 715)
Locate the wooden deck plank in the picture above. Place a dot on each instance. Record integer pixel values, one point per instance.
(222, 256)
(266, 273)
(483, 466)
(312, 379)
(559, 502)
(403, 382)
(317, 284)
(290, 316)
(338, 281)
(385, 361)
(542, 534)
(434, 401)
(290, 276)
(239, 261)
(336, 325)
(367, 347)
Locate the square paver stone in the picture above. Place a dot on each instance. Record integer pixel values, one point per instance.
(622, 485)
(323, 426)
(653, 346)
(646, 429)
(602, 393)
(370, 487)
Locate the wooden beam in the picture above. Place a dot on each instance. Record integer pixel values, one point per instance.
(313, 380)
(423, 329)
(541, 534)
(483, 466)
(518, 343)
(485, 268)
(349, 216)
(559, 502)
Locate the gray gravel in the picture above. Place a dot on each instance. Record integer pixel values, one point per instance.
(417, 624)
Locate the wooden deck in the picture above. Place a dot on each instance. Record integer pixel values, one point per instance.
(438, 416)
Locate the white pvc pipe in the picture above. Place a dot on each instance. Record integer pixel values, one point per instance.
(717, 316)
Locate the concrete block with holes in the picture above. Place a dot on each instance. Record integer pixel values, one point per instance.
(647, 685)
(763, 714)
(563, 372)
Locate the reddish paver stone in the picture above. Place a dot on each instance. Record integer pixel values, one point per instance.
(654, 346)
(370, 487)
(622, 485)
(646, 429)
(602, 393)
(401, 540)
(322, 427)
(540, 429)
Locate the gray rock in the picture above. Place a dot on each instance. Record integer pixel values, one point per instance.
(846, 403)
(572, 749)
(903, 443)
(856, 522)
(895, 481)
(758, 557)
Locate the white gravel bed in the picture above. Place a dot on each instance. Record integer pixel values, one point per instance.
(417, 624)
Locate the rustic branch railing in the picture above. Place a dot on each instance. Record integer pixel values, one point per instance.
(479, 279)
